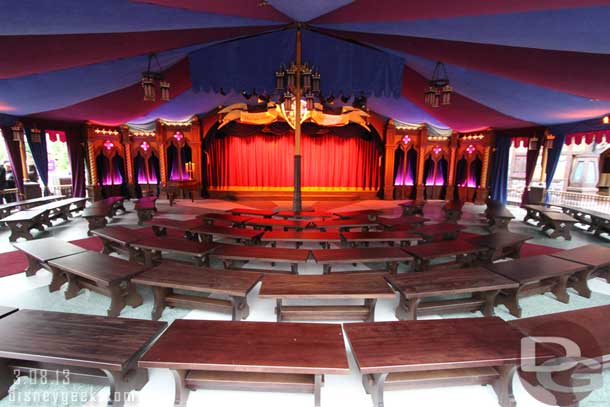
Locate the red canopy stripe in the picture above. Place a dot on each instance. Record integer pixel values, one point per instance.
(124, 104)
(71, 50)
(463, 114)
(239, 8)
(406, 10)
(577, 73)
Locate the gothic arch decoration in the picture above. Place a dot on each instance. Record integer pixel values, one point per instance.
(436, 170)
(179, 158)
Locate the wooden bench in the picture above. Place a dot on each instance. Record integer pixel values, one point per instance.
(437, 231)
(391, 237)
(40, 251)
(212, 218)
(252, 212)
(498, 218)
(345, 225)
(322, 238)
(437, 353)
(501, 245)
(410, 208)
(145, 208)
(535, 275)
(96, 217)
(151, 249)
(407, 222)
(283, 357)
(596, 257)
(232, 255)
(183, 224)
(371, 214)
(558, 222)
(75, 347)
(434, 292)
(7, 208)
(61, 209)
(453, 210)
(21, 223)
(118, 239)
(6, 311)
(390, 256)
(303, 215)
(117, 203)
(109, 276)
(207, 233)
(533, 212)
(464, 252)
(281, 224)
(600, 222)
(169, 276)
(367, 287)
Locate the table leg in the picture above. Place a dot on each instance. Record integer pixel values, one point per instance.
(117, 301)
(370, 304)
(278, 309)
(33, 266)
(294, 267)
(317, 389)
(118, 389)
(378, 381)
(6, 378)
(20, 230)
(407, 308)
(133, 297)
(326, 269)
(510, 299)
(148, 254)
(73, 286)
(581, 283)
(392, 267)
(58, 279)
(159, 293)
(241, 310)
(561, 289)
(490, 302)
(182, 392)
(503, 386)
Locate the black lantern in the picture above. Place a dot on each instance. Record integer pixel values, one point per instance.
(439, 90)
(17, 132)
(35, 135)
(150, 79)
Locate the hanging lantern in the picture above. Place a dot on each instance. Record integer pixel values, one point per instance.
(533, 143)
(288, 102)
(315, 82)
(439, 90)
(164, 90)
(549, 141)
(291, 77)
(35, 135)
(148, 84)
(429, 96)
(446, 95)
(279, 79)
(306, 78)
(309, 100)
(17, 132)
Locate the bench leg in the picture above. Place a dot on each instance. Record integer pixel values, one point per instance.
(560, 290)
(182, 392)
(117, 301)
(119, 390)
(278, 310)
(133, 297)
(581, 283)
(241, 310)
(20, 230)
(294, 268)
(73, 287)
(6, 378)
(392, 267)
(510, 299)
(490, 302)
(370, 304)
(378, 381)
(58, 279)
(326, 269)
(159, 293)
(503, 386)
(317, 389)
(33, 266)
(407, 308)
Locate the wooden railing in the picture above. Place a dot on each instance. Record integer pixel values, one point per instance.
(579, 200)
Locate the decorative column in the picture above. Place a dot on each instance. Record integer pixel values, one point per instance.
(421, 159)
(388, 174)
(126, 142)
(196, 150)
(161, 137)
(94, 191)
(453, 146)
(481, 197)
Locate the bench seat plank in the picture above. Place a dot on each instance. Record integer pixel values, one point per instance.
(40, 251)
(391, 256)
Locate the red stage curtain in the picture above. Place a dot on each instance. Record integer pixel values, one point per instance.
(264, 160)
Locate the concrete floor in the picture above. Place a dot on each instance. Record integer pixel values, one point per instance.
(339, 390)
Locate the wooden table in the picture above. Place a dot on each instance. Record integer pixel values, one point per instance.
(74, 347)
(249, 356)
(498, 218)
(535, 275)
(453, 210)
(230, 254)
(252, 212)
(403, 222)
(303, 214)
(465, 253)
(161, 225)
(207, 233)
(97, 272)
(559, 223)
(5, 209)
(323, 238)
(61, 209)
(533, 212)
(6, 311)
(344, 225)
(152, 248)
(596, 257)
(367, 287)
(412, 207)
(402, 237)
(169, 276)
(284, 224)
(40, 251)
(371, 214)
(501, 245)
(96, 217)
(22, 222)
(211, 218)
(417, 291)
(391, 256)
(446, 231)
(118, 239)
(443, 352)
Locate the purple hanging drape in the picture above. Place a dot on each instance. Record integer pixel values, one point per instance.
(76, 153)
(14, 155)
(530, 166)
(40, 156)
